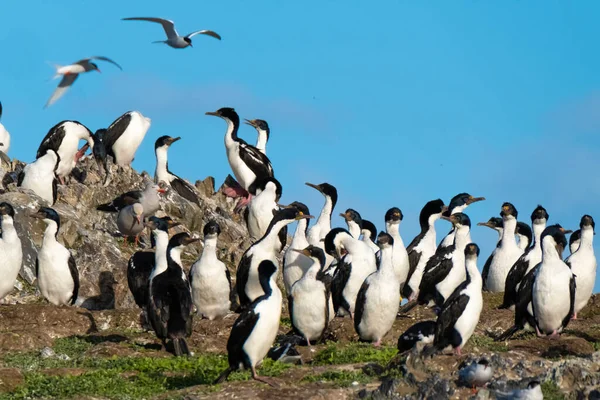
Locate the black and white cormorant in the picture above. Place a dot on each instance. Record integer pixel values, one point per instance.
(262, 206)
(524, 234)
(11, 252)
(369, 235)
(583, 264)
(162, 173)
(393, 218)
(141, 263)
(55, 269)
(458, 204)
(420, 334)
(460, 313)
(356, 261)
(295, 264)
(378, 299)
(264, 133)
(210, 279)
(40, 176)
(529, 259)
(4, 139)
(322, 226)
(574, 241)
(64, 139)
(422, 247)
(268, 247)
(149, 198)
(170, 303)
(247, 162)
(445, 271)
(255, 330)
(496, 224)
(507, 252)
(309, 297)
(100, 155)
(354, 222)
(554, 287)
(124, 136)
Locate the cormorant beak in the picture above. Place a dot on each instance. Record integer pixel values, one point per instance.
(475, 199)
(566, 231)
(444, 209)
(345, 216)
(483, 224)
(213, 113)
(250, 122)
(449, 219)
(150, 225)
(37, 215)
(187, 241)
(313, 186)
(303, 251)
(173, 140)
(173, 224)
(303, 216)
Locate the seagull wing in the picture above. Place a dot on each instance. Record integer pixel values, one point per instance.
(167, 25)
(63, 86)
(205, 32)
(86, 61)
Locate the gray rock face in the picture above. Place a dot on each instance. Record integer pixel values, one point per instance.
(92, 236)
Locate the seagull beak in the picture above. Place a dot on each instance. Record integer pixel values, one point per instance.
(98, 69)
(139, 219)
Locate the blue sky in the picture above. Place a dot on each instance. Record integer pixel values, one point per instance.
(394, 103)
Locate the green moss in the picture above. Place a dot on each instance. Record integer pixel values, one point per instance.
(551, 391)
(285, 322)
(487, 343)
(354, 353)
(339, 378)
(73, 346)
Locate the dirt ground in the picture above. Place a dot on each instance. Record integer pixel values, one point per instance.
(27, 329)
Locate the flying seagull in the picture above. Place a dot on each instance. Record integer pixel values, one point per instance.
(173, 38)
(71, 72)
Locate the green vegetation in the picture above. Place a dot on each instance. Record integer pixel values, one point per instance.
(354, 353)
(285, 322)
(339, 378)
(487, 343)
(551, 391)
(118, 377)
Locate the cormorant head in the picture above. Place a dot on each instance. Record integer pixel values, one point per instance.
(227, 113)
(288, 215)
(326, 190)
(539, 215)
(352, 216)
(554, 235)
(384, 240)
(587, 222)
(313, 252)
(48, 215)
(211, 229)
(393, 216)
(259, 125)
(165, 141)
(180, 240)
(268, 183)
(157, 224)
(524, 232)
(431, 208)
(460, 202)
(508, 211)
(494, 223)
(369, 230)
(458, 220)
(472, 250)
(333, 245)
(6, 209)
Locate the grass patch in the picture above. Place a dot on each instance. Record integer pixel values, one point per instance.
(286, 322)
(353, 353)
(118, 377)
(551, 391)
(487, 343)
(339, 378)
